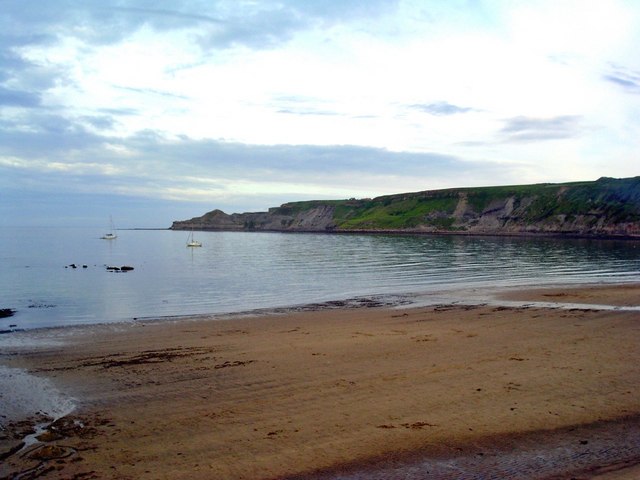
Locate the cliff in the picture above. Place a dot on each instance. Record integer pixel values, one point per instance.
(604, 208)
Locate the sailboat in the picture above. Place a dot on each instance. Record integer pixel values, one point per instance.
(191, 242)
(110, 235)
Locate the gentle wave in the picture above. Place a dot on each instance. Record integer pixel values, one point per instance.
(24, 395)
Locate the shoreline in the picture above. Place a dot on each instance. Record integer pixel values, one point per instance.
(474, 295)
(498, 234)
(400, 384)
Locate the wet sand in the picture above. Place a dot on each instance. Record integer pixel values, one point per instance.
(616, 295)
(448, 391)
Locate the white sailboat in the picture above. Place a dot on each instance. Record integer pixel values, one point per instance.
(110, 235)
(191, 242)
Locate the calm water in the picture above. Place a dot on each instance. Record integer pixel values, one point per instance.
(240, 271)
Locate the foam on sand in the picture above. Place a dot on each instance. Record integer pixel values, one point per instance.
(23, 396)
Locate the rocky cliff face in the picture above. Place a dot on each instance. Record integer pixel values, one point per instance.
(513, 215)
(316, 219)
(607, 207)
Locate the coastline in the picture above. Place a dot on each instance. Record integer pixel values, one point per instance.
(572, 235)
(307, 394)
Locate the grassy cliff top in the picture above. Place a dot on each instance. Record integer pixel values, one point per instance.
(616, 199)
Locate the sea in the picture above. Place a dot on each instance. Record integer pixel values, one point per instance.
(55, 277)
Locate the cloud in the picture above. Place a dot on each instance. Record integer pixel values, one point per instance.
(155, 16)
(39, 134)
(300, 105)
(267, 24)
(220, 24)
(527, 129)
(101, 122)
(301, 161)
(22, 79)
(9, 60)
(63, 18)
(151, 91)
(306, 111)
(61, 154)
(625, 82)
(36, 66)
(627, 79)
(441, 108)
(17, 98)
(119, 111)
(327, 96)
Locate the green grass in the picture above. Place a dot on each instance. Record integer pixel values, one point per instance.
(393, 213)
(618, 200)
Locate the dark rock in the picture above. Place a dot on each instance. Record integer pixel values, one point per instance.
(50, 452)
(12, 450)
(40, 305)
(6, 312)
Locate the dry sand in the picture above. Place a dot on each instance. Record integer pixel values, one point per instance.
(450, 391)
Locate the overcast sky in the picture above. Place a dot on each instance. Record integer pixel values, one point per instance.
(157, 110)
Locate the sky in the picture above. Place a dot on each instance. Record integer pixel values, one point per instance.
(154, 111)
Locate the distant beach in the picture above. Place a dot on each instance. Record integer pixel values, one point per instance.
(452, 390)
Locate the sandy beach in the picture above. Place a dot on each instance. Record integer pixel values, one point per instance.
(444, 391)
